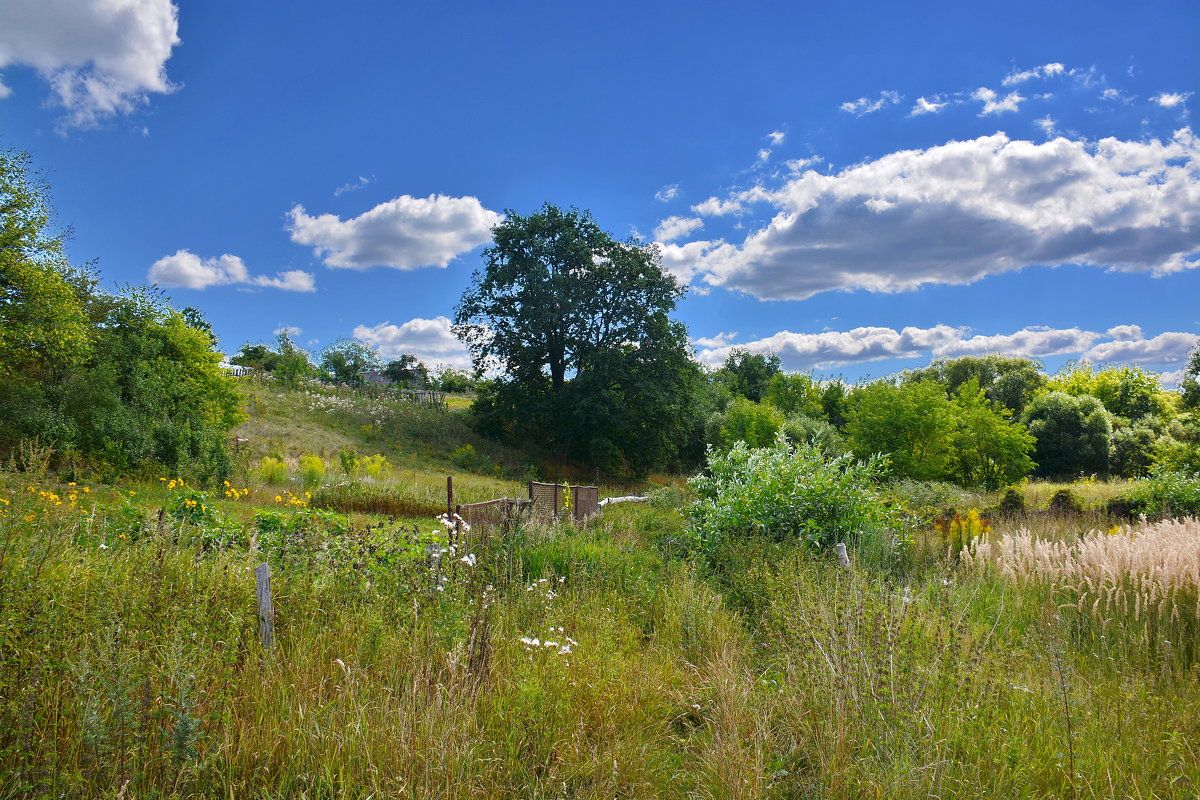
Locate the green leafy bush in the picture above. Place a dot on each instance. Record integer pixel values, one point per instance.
(1064, 501)
(791, 493)
(272, 470)
(312, 471)
(1167, 493)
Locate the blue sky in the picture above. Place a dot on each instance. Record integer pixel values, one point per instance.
(858, 187)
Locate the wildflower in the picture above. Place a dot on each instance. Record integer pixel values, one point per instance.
(468, 559)
(103, 546)
(278, 499)
(72, 483)
(528, 642)
(85, 489)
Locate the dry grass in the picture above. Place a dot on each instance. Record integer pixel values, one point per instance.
(1144, 579)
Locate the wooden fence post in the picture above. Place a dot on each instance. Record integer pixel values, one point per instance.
(266, 609)
(842, 556)
(449, 495)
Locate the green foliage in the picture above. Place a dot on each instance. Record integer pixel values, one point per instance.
(1129, 392)
(43, 322)
(312, 470)
(594, 367)
(1010, 381)
(375, 466)
(1073, 434)
(348, 462)
(1132, 450)
(912, 424)
(1012, 503)
(790, 493)
(454, 381)
(465, 457)
(1189, 385)
(989, 449)
(343, 360)
(746, 421)
(272, 470)
(747, 374)
(1167, 492)
(795, 393)
(407, 371)
(1065, 501)
(815, 431)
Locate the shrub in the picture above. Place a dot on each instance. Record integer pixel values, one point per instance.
(375, 465)
(1168, 493)
(312, 471)
(1013, 502)
(467, 458)
(1064, 501)
(790, 493)
(348, 461)
(272, 470)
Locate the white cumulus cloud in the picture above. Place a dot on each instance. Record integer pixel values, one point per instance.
(805, 351)
(404, 233)
(186, 270)
(958, 212)
(673, 228)
(1170, 99)
(430, 340)
(994, 104)
(100, 57)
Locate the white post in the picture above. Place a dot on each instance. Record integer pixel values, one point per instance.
(843, 557)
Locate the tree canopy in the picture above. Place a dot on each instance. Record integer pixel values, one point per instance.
(578, 324)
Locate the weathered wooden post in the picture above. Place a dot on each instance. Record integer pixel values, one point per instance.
(266, 608)
(842, 556)
(449, 495)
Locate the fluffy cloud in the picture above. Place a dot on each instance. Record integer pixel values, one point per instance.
(667, 193)
(924, 106)
(1044, 71)
(1166, 348)
(776, 137)
(864, 105)
(100, 57)
(1170, 99)
(673, 228)
(1047, 124)
(992, 105)
(805, 351)
(430, 340)
(186, 270)
(685, 261)
(958, 212)
(404, 233)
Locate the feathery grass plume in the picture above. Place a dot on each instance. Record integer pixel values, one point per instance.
(1142, 582)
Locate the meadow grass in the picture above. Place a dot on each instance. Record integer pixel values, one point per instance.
(606, 659)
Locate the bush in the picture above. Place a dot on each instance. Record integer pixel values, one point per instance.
(1168, 493)
(272, 470)
(1064, 501)
(1013, 503)
(375, 465)
(312, 471)
(348, 461)
(791, 493)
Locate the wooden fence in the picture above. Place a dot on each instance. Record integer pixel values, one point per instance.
(547, 501)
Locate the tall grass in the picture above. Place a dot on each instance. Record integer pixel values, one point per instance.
(1137, 584)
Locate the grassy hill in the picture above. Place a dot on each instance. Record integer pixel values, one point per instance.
(616, 658)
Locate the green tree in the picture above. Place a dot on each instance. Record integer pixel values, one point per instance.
(556, 292)
(407, 370)
(795, 393)
(989, 449)
(1189, 386)
(1010, 381)
(343, 360)
(43, 322)
(913, 424)
(1129, 392)
(755, 424)
(748, 374)
(1073, 433)
(578, 322)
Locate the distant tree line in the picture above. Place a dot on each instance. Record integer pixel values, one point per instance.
(349, 362)
(577, 326)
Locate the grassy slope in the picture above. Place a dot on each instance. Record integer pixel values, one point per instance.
(136, 663)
